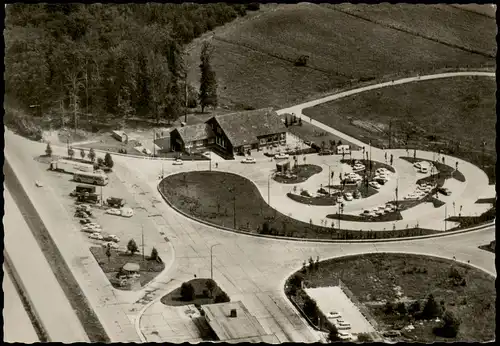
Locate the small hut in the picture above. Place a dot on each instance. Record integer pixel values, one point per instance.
(283, 166)
(129, 276)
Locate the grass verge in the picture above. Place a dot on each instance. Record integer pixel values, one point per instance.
(301, 173)
(212, 197)
(149, 269)
(376, 279)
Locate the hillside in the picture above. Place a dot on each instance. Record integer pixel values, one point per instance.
(254, 59)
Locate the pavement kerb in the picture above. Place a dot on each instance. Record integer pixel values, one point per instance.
(383, 240)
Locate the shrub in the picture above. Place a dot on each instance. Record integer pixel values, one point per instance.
(401, 308)
(187, 292)
(71, 152)
(210, 284)
(92, 154)
(431, 308)
(389, 308)
(305, 193)
(132, 246)
(222, 297)
(48, 150)
(296, 280)
(364, 337)
(311, 308)
(414, 307)
(100, 161)
(450, 327)
(82, 154)
(265, 228)
(333, 335)
(154, 254)
(108, 160)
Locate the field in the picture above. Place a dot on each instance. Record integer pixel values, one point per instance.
(210, 196)
(452, 114)
(254, 59)
(377, 278)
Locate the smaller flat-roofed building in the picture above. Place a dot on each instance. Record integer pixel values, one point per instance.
(233, 323)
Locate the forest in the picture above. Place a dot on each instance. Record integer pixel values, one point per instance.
(104, 60)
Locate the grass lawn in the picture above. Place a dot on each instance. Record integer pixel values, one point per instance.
(149, 269)
(174, 298)
(452, 114)
(207, 195)
(375, 279)
(254, 59)
(302, 172)
(441, 23)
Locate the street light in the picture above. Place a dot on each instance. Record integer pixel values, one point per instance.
(211, 261)
(329, 181)
(269, 188)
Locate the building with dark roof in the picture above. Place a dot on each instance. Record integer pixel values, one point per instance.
(233, 323)
(231, 133)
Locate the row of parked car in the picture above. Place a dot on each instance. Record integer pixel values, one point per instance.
(95, 230)
(380, 210)
(341, 324)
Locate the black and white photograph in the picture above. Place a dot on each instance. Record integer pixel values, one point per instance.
(222, 172)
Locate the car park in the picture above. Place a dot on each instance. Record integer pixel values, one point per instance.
(445, 191)
(111, 245)
(96, 236)
(374, 184)
(113, 211)
(178, 162)
(248, 160)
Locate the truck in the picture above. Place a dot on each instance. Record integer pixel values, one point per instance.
(82, 189)
(71, 167)
(115, 202)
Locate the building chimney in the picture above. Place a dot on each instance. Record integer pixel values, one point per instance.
(233, 313)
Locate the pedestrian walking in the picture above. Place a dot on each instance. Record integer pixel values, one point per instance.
(385, 155)
(393, 226)
(216, 165)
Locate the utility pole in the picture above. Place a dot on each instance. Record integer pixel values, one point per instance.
(142, 236)
(329, 184)
(101, 196)
(445, 212)
(397, 186)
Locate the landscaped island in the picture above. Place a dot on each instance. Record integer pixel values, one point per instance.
(441, 299)
(216, 197)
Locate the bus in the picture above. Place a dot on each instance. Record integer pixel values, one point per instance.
(95, 178)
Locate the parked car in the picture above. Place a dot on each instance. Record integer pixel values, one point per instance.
(417, 165)
(96, 236)
(344, 336)
(85, 221)
(307, 142)
(445, 191)
(83, 214)
(126, 212)
(110, 244)
(112, 238)
(380, 180)
(93, 228)
(424, 170)
(374, 184)
(83, 207)
(281, 156)
(113, 211)
(325, 152)
(38, 183)
(178, 162)
(346, 327)
(358, 167)
(207, 154)
(348, 196)
(146, 151)
(248, 160)
(391, 333)
(334, 315)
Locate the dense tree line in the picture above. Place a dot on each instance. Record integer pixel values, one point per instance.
(121, 60)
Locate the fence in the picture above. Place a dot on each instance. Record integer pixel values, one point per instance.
(364, 311)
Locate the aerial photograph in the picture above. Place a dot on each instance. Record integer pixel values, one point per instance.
(219, 172)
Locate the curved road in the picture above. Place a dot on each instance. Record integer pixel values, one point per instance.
(248, 268)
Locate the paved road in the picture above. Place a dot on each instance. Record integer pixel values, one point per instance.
(248, 268)
(38, 279)
(17, 326)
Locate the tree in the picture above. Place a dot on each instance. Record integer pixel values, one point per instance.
(108, 160)
(401, 308)
(82, 154)
(364, 337)
(339, 142)
(300, 121)
(100, 161)
(311, 308)
(132, 246)
(48, 150)
(222, 297)
(92, 154)
(414, 307)
(187, 292)
(210, 284)
(154, 254)
(108, 253)
(431, 308)
(71, 152)
(450, 327)
(296, 280)
(286, 121)
(208, 82)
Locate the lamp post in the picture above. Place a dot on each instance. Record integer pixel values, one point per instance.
(341, 209)
(329, 180)
(211, 261)
(370, 156)
(445, 212)
(397, 188)
(269, 188)
(210, 159)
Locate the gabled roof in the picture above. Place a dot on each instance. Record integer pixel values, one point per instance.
(245, 127)
(196, 132)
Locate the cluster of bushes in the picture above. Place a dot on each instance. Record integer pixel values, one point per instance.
(22, 124)
(188, 292)
(293, 120)
(417, 270)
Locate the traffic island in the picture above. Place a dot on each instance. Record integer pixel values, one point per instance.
(298, 174)
(444, 172)
(234, 203)
(425, 299)
(196, 292)
(125, 271)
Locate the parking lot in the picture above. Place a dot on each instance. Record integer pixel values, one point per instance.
(333, 299)
(125, 228)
